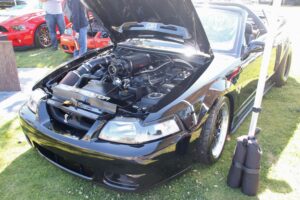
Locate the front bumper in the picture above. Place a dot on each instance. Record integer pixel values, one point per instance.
(67, 43)
(20, 39)
(117, 166)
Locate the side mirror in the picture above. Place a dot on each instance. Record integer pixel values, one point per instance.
(253, 47)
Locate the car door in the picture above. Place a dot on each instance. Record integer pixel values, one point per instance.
(249, 75)
(247, 82)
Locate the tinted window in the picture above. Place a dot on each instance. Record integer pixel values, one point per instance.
(221, 27)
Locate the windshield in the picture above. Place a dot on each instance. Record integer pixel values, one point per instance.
(221, 27)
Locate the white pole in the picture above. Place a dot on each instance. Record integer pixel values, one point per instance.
(15, 2)
(264, 67)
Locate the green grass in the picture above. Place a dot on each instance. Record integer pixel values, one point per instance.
(25, 175)
(41, 58)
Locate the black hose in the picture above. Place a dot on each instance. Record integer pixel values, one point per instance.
(166, 63)
(89, 67)
(86, 77)
(183, 62)
(153, 70)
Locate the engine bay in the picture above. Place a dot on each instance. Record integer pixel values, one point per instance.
(130, 80)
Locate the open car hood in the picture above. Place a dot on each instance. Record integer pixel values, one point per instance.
(114, 13)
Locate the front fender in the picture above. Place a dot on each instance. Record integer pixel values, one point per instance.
(194, 109)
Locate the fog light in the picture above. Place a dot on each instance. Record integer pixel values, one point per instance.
(124, 181)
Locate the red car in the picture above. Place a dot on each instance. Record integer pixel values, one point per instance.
(97, 37)
(25, 26)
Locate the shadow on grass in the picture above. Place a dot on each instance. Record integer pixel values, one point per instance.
(279, 121)
(33, 177)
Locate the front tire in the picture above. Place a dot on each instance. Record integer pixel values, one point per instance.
(214, 132)
(42, 37)
(282, 73)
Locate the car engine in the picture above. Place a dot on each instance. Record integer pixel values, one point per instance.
(133, 81)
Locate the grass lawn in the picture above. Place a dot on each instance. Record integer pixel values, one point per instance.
(25, 175)
(41, 58)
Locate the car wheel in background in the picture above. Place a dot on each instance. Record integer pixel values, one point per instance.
(282, 73)
(42, 37)
(213, 136)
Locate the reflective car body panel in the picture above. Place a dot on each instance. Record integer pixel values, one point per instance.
(165, 12)
(28, 15)
(233, 73)
(29, 19)
(95, 39)
(117, 166)
(67, 42)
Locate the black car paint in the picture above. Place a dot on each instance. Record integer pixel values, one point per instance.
(161, 159)
(147, 164)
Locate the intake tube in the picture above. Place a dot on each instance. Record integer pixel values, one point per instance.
(86, 68)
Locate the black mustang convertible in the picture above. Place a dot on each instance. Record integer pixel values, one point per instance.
(163, 96)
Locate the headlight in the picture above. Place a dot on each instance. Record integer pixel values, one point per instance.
(35, 98)
(18, 27)
(132, 131)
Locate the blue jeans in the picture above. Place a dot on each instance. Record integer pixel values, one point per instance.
(82, 41)
(52, 22)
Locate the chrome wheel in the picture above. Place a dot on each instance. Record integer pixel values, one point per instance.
(44, 36)
(222, 123)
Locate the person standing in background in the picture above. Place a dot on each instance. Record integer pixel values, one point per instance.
(54, 17)
(80, 25)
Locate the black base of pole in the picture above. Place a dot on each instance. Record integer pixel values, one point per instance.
(251, 170)
(234, 178)
(244, 170)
